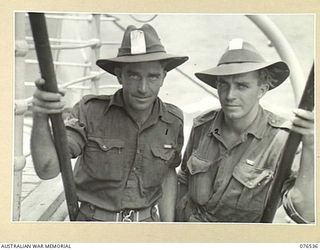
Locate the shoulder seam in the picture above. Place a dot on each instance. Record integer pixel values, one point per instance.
(277, 121)
(88, 98)
(174, 110)
(202, 119)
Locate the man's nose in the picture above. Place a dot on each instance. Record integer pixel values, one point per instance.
(143, 85)
(231, 93)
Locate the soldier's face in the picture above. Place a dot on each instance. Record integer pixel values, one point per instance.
(239, 94)
(141, 83)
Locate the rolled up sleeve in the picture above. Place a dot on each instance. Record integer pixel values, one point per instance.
(76, 130)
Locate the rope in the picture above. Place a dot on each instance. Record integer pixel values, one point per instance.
(198, 83)
(143, 21)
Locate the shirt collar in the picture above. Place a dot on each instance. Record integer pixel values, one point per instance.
(216, 127)
(158, 110)
(116, 100)
(257, 128)
(259, 125)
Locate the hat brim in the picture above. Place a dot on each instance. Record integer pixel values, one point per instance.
(173, 61)
(279, 71)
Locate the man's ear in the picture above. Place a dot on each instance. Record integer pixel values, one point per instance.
(118, 72)
(263, 89)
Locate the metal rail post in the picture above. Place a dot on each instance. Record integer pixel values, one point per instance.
(285, 51)
(95, 50)
(21, 50)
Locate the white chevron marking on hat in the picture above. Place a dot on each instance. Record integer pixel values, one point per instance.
(236, 43)
(138, 42)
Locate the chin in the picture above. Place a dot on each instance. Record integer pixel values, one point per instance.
(141, 107)
(234, 116)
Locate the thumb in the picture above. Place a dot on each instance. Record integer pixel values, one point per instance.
(40, 82)
(62, 91)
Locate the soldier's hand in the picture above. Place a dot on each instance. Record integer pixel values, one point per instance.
(44, 102)
(303, 123)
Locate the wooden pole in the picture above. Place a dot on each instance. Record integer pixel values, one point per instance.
(290, 148)
(42, 45)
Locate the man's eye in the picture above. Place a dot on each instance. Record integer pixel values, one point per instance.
(242, 86)
(134, 77)
(154, 78)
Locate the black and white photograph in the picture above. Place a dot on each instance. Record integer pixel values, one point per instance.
(175, 118)
(159, 122)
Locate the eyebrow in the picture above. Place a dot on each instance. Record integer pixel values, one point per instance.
(132, 72)
(242, 82)
(154, 74)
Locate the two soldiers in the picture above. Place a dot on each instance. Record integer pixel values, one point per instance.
(129, 144)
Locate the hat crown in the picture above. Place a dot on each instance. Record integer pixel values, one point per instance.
(240, 51)
(142, 40)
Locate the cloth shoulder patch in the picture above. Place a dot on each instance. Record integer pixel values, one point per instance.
(172, 109)
(205, 117)
(277, 121)
(88, 98)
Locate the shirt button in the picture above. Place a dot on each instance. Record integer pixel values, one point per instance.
(104, 146)
(134, 168)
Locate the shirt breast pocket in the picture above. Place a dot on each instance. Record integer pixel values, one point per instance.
(201, 178)
(104, 158)
(156, 164)
(255, 183)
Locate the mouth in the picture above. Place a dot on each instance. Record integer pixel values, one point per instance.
(231, 105)
(142, 98)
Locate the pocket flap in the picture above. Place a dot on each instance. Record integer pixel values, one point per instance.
(196, 165)
(107, 144)
(163, 153)
(252, 177)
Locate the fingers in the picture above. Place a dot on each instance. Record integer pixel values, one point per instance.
(47, 102)
(46, 96)
(303, 122)
(40, 83)
(48, 105)
(62, 91)
(38, 109)
(303, 118)
(304, 114)
(303, 131)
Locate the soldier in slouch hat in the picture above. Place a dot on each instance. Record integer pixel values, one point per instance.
(127, 145)
(233, 153)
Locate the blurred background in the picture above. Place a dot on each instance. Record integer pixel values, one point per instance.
(79, 39)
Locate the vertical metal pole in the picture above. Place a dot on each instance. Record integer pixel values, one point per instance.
(57, 52)
(285, 51)
(95, 50)
(21, 50)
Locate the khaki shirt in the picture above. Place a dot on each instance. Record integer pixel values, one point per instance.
(120, 164)
(231, 184)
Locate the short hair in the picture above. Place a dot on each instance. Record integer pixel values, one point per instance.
(266, 77)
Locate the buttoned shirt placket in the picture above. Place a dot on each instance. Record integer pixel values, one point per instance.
(134, 180)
